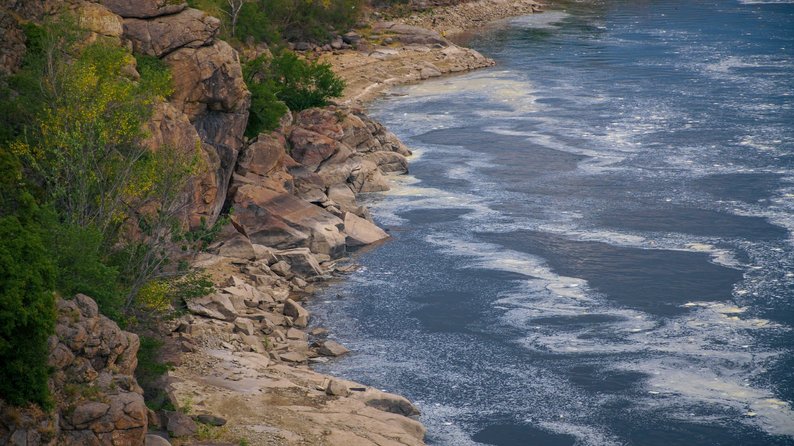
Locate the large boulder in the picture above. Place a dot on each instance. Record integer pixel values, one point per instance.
(284, 221)
(160, 36)
(144, 8)
(100, 20)
(362, 232)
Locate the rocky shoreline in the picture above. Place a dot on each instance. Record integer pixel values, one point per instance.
(241, 356)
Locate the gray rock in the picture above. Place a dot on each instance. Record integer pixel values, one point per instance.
(212, 420)
(156, 440)
(299, 314)
(180, 425)
(244, 326)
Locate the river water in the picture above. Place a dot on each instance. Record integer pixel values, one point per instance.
(595, 245)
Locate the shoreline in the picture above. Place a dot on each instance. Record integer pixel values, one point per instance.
(225, 369)
(418, 47)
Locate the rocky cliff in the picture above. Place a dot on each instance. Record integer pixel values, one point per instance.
(294, 209)
(97, 398)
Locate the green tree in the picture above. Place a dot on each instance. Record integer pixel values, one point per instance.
(27, 306)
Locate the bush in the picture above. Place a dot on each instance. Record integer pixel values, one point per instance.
(27, 303)
(266, 109)
(300, 84)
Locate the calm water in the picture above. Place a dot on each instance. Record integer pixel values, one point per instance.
(595, 246)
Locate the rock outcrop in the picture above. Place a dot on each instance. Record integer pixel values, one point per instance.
(296, 188)
(98, 400)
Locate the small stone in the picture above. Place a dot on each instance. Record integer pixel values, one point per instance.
(296, 335)
(281, 268)
(299, 315)
(293, 357)
(336, 388)
(244, 326)
(331, 348)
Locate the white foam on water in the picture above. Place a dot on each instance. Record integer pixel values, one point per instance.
(549, 19)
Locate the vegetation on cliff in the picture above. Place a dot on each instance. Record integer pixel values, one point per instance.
(84, 207)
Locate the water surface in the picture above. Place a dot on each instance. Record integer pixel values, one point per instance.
(595, 244)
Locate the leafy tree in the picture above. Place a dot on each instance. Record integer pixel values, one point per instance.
(27, 303)
(303, 84)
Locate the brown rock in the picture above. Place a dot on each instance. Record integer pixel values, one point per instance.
(297, 312)
(144, 8)
(361, 232)
(263, 156)
(337, 388)
(393, 404)
(244, 326)
(301, 261)
(99, 19)
(160, 36)
(283, 221)
(180, 425)
(238, 247)
(310, 148)
(331, 348)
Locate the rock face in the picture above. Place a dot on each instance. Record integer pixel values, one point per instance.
(98, 399)
(209, 106)
(294, 188)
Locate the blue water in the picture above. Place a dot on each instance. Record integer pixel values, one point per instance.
(595, 244)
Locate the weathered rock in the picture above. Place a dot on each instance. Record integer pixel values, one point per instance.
(394, 404)
(263, 156)
(88, 352)
(281, 268)
(156, 440)
(283, 221)
(408, 34)
(215, 306)
(212, 420)
(209, 89)
(160, 36)
(311, 148)
(361, 232)
(180, 425)
(292, 356)
(244, 326)
(238, 247)
(144, 8)
(389, 162)
(337, 388)
(301, 261)
(331, 348)
(367, 177)
(296, 335)
(100, 20)
(299, 314)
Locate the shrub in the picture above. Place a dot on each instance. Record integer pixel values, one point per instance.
(300, 84)
(303, 84)
(266, 109)
(27, 305)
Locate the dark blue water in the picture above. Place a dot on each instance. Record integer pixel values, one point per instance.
(595, 246)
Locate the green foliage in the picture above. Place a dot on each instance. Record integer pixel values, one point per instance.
(299, 83)
(79, 254)
(273, 20)
(254, 23)
(303, 84)
(150, 368)
(266, 109)
(155, 75)
(27, 306)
